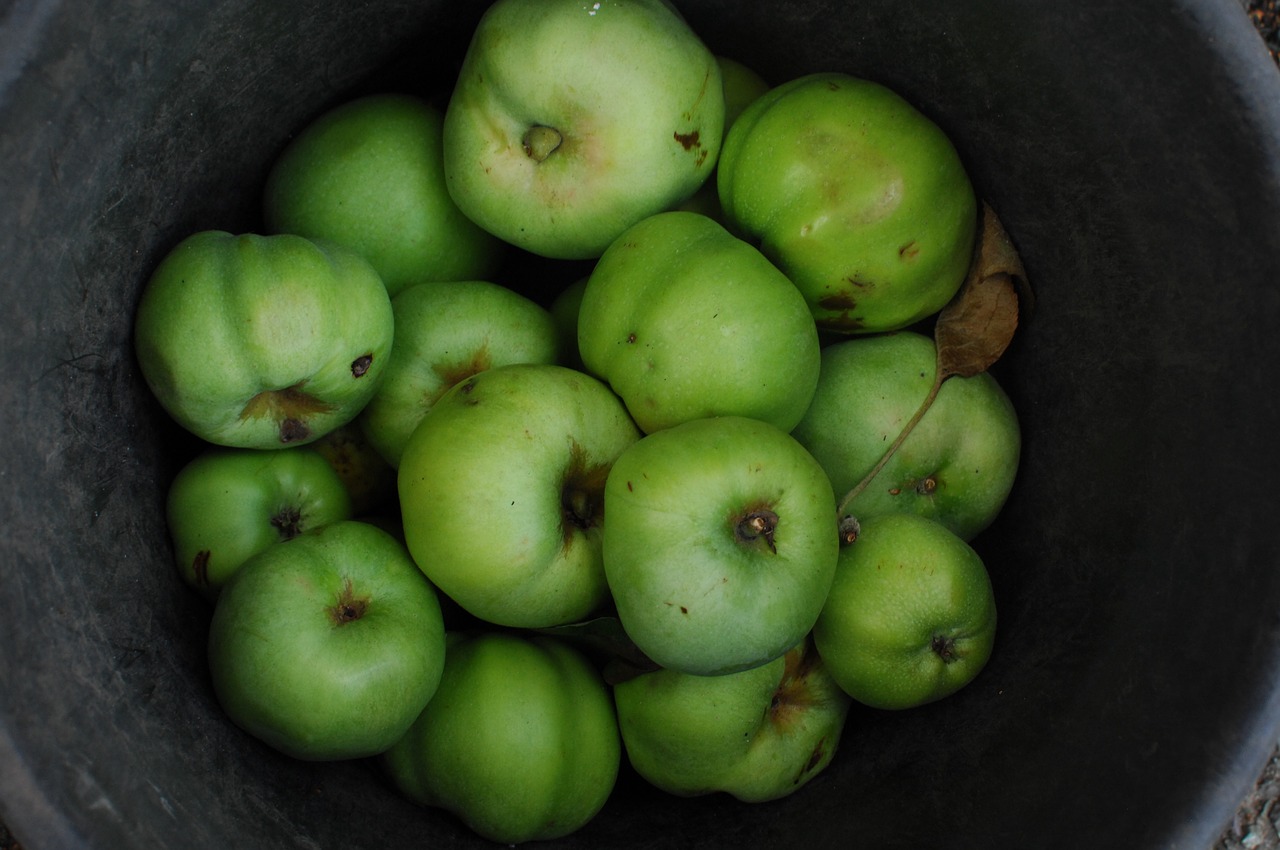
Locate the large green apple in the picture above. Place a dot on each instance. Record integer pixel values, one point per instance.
(446, 332)
(855, 194)
(571, 121)
(369, 174)
(911, 616)
(684, 321)
(760, 734)
(959, 463)
(721, 543)
(227, 505)
(262, 341)
(327, 646)
(501, 490)
(520, 740)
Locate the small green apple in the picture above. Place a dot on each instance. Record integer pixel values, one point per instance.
(684, 321)
(445, 332)
(501, 489)
(369, 174)
(327, 646)
(262, 341)
(227, 505)
(760, 734)
(911, 616)
(570, 121)
(720, 545)
(959, 463)
(520, 740)
(856, 195)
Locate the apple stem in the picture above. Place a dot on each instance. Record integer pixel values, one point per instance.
(539, 142)
(759, 524)
(901, 438)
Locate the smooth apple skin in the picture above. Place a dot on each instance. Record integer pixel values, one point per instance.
(501, 490)
(911, 616)
(693, 593)
(685, 321)
(226, 505)
(369, 174)
(960, 462)
(637, 104)
(446, 332)
(262, 342)
(520, 740)
(759, 735)
(857, 196)
(327, 646)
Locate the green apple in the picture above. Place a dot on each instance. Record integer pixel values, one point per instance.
(911, 616)
(327, 646)
(520, 740)
(684, 321)
(721, 543)
(959, 463)
(564, 310)
(570, 121)
(857, 196)
(262, 341)
(501, 490)
(446, 332)
(227, 505)
(369, 174)
(760, 734)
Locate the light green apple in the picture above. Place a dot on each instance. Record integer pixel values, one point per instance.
(369, 174)
(684, 321)
(501, 492)
(911, 616)
(856, 195)
(446, 332)
(329, 645)
(570, 121)
(760, 734)
(261, 342)
(721, 543)
(959, 463)
(520, 740)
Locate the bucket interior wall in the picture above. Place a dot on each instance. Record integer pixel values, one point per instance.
(1134, 154)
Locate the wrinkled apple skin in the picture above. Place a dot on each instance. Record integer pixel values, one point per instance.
(520, 740)
(261, 342)
(694, 589)
(911, 616)
(959, 464)
(227, 505)
(501, 490)
(636, 105)
(369, 174)
(684, 320)
(760, 734)
(857, 196)
(327, 646)
(447, 332)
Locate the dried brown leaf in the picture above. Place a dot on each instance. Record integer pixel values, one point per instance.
(976, 327)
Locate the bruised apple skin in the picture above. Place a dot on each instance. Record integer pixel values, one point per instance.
(261, 342)
(760, 734)
(856, 195)
(558, 150)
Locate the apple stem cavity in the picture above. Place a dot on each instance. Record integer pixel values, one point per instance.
(945, 648)
(349, 607)
(758, 525)
(540, 142)
(288, 522)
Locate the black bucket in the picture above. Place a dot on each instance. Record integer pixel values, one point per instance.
(1133, 151)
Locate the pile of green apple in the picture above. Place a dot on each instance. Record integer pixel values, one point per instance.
(501, 539)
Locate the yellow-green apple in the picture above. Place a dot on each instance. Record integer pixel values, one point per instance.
(571, 121)
(684, 320)
(501, 492)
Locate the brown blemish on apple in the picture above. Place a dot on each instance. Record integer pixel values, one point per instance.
(361, 365)
(910, 250)
(631, 338)
(348, 607)
(842, 304)
(793, 695)
(815, 759)
(200, 566)
(290, 407)
(692, 142)
(458, 371)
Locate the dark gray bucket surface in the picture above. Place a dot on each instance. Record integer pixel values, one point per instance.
(1133, 150)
